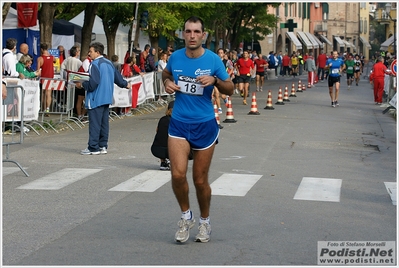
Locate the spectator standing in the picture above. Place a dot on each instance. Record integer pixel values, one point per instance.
(245, 67)
(23, 50)
(62, 54)
(377, 78)
(115, 62)
(321, 63)
(9, 60)
(150, 61)
(280, 63)
(100, 89)
(286, 64)
(260, 64)
(310, 67)
(335, 66)
(349, 68)
(162, 61)
(301, 63)
(45, 63)
(191, 73)
(143, 57)
(73, 64)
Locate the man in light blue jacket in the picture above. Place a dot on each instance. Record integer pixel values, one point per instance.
(99, 91)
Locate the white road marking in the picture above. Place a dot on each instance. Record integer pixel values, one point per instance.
(391, 189)
(148, 181)
(319, 189)
(234, 184)
(59, 179)
(10, 170)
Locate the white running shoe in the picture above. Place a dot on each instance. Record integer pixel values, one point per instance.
(204, 234)
(183, 233)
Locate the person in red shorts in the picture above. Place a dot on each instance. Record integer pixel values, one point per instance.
(377, 77)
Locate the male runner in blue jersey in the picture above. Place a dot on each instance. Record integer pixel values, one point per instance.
(335, 67)
(191, 73)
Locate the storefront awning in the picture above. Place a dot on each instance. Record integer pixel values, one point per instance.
(294, 40)
(365, 42)
(313, 40)
(387, 43)
(305, 40)
(325, 40)
(339, 40)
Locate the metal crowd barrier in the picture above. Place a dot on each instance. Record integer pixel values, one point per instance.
(62, 98)
(13, 109)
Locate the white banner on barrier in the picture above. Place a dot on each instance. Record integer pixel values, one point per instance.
(31, 99)
(13, 108)
(122, 97)
(148, 80)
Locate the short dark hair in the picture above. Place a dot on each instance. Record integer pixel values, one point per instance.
(195, 19)
(98, 47)
(11, 43)
(73, 51)
(147, 47)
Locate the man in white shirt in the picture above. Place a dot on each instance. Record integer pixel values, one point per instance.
(9, 60)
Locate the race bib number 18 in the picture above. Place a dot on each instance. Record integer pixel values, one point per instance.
(190, 85)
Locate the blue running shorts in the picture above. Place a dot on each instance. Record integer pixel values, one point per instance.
(200, 136)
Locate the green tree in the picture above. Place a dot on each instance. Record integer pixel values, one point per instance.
(112, 15)
(46, 18)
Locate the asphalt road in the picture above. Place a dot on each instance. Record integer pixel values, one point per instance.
(269, 155)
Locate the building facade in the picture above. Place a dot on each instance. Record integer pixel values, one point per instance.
(317, 26)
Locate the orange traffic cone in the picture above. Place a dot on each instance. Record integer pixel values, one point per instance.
(299, 86)
(269, 103)
(215, 108)
(292, 91)
(285, 98)
(303, 87)
(280, 97)
(254, 106)
(229, 113)
(309, 86)
(316, 78)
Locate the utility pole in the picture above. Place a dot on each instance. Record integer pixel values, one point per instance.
(134, 28)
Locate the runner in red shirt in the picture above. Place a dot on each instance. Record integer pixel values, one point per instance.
(260, 72)
(245, 67)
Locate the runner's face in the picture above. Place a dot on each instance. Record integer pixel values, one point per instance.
(193, 35)
(335, 55)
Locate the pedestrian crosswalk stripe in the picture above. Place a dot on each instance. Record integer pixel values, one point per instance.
(319, 189)
(148, 181)
(234, 184)
(59, 179)
(391, 188)
(10, 170)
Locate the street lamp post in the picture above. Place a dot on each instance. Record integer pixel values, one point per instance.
(388, 10)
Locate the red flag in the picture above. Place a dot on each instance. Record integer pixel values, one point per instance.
(27, 14)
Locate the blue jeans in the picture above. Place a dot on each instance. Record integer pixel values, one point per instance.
(98, 128)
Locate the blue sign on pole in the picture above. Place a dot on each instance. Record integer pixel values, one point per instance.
(54, 52)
